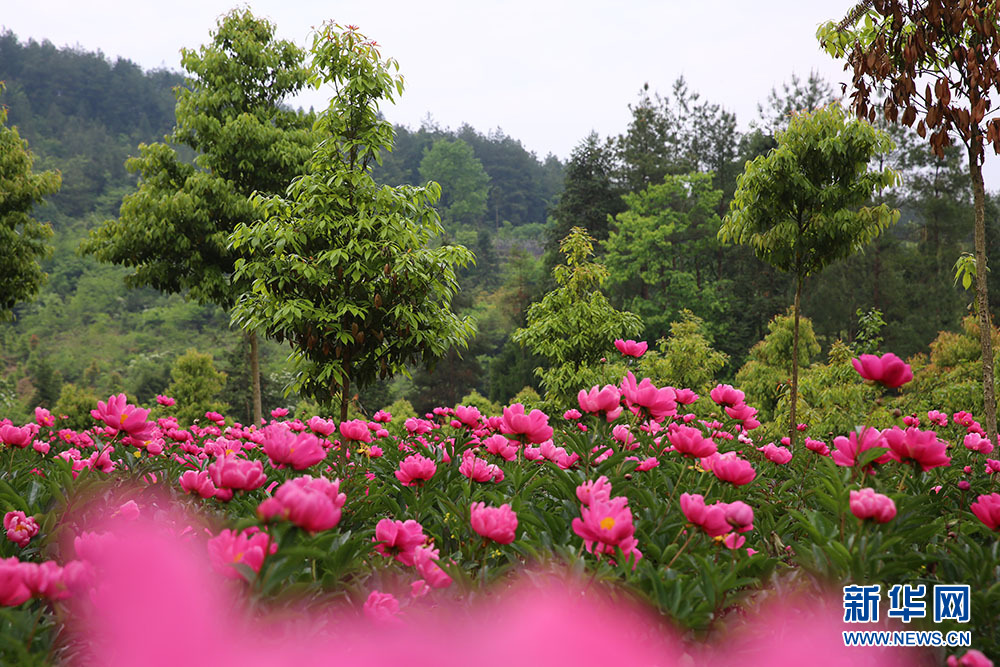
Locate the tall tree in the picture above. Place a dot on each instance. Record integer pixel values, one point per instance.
(23, 240)
(803, 205)
(340, 267)
(173, 232)
(895, 47)
(464, 185)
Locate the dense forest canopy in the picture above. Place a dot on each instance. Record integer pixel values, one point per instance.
(651, 197)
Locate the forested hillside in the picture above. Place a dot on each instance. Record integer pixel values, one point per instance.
(652, 197)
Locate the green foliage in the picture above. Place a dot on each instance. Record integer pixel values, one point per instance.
(527, 397)
(196, 385)
(802, 206)
(476, 400)
(464, 185)
(686, 358)
(574, 325)
(23, 240)
(767, 372)
(173, 232)
(869, 338)
(340, 267)
(832, 399)
(75, 403)
(657, 249)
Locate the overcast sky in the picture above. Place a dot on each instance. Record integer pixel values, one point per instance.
(547, 73)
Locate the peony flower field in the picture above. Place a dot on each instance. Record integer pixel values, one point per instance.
(658, 516)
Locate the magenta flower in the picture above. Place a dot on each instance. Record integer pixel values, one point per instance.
(44, 418)
(165, 401)
(937, 417)
(645, 397)
(817, 446)
(598, 489)
(685, 396)
(630, 348)
(469, 416)
(416, 426)
(500, 446)
(972, 658)
(237, 473)
(977, 443)
(13, 589)
(608, 522)
(778, 455)
(277, 413)
(415, 468)
(606, 400)
(356, 429)
(710, 518)
(866, 504)
(381, 607)
(689, 441)
(16, 436)
(299, 450)
(229, 548)
(494, 523)
(987, 510)
(323, 427)
(921, 447)
(739, 515)
(742, 412)
(727, 395)
(846, 450)
(425, 559)
(119, 415)
(399, 539)
(479, 470)
(729, 467)
(533, 426)
(20, 528)
(311, 503)
(889, 370)
(198, 481)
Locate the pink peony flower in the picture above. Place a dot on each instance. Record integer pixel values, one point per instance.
(425, 559)
(685, 396)
(311, 503)
(776, 454)
(727, 395)
(729, 467)
(381, 607)
(237, 473)
(817, 446)
(229, 548)
(356, 429)
(866, 504)
(689, 441)
(323, 427)
(644, 397)
(284, 447)
(739, 515)
(601, 400)
(382, 417)
(165, 401)
(13, 589)
(987, 510)
(978, 443)
(469, 416)
(20, 528)
(477, 469)
(921, 447)
(533, 426)
(499, 445)
(972, 658)
(399, 539)
(888, 369)
(44, 418)
(415, 468)
(198, 481)
(937, 417)
(277, 413)
(598, 489)
(16, 436)
(847, 449)
(495, 523)
(606, 521)
(630, 348)
(710, 518)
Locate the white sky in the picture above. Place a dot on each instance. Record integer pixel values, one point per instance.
(546, 72)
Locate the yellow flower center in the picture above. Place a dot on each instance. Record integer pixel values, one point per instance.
(607, 523)
(238, 557)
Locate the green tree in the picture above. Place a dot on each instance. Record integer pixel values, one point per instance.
(23, 240)
(340, 267)
(657, 248)
(802, 206)
(686, 357)
(196, 384)
(173, 232)
(893, 48)
(465, 187)
(574, 325)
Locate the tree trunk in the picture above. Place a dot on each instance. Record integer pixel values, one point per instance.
(792, 425)
(255, 379)
(982, 299)
(344, 396)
